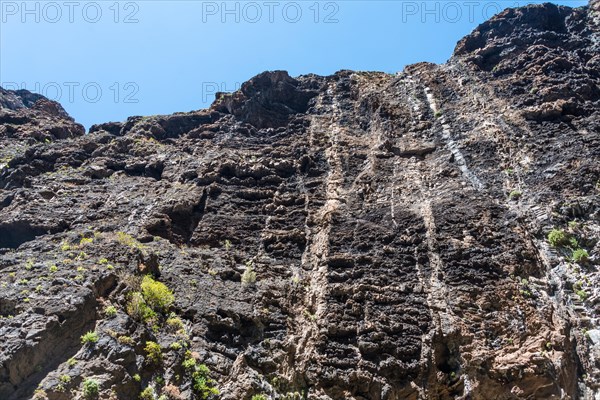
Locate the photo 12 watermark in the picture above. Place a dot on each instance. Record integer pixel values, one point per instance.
(452, 11)
(210, 89)
(75, 92)
(253, 12)
(52, 12)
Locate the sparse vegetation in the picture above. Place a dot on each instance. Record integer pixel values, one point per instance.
(85, 241)
(249, 276)
(110, 311)
(90, 337)
(580, 256)
(189, 364)
(174, 322)
(147, 394)
(156, 294)
(573, 225)
(582, 294)
(65, 246)
(259, 397)
(175, 346)
(91, 389)
(202, 385)
(129, 241)
(515, 195)
(138, 309)
(153, 353)
(557, 238)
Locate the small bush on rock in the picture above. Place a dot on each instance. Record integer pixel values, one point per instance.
(174, 322)
(90, 389)
(147, 394)
(110, 311)
(580, 256)
(89, 338)
(156, 294)
(203, 386)
(138, 309)
(153, 353)
(249, 276)
(557, 238)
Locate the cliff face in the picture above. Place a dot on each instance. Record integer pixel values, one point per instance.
(357, 236)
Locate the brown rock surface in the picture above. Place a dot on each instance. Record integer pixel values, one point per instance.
(396, 225)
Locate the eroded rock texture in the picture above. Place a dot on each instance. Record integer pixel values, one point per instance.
(397, 226)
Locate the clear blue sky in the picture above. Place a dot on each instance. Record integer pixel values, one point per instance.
(158, 57)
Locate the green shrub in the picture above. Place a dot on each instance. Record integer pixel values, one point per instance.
(138, 309)
(129, 241)
(153, 353)
(580, 256)
(515, 195)
(573, 243)
(175, 322)
(65, 379)
(259, 397)
(175, 346)
(85, 241)
(65, 246)
(189, 364)
(137, 378)
(147, 394)
(90, 337)
(202, 385)
(582, 294)
(249, 276)
(156, 294)
(110, 311)
(127, 340)
(557, 238)
(90, 388)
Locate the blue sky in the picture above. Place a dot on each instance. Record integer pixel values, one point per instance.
(107, 60)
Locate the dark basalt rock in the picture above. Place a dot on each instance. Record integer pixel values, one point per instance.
(267, 101)
(396, 225)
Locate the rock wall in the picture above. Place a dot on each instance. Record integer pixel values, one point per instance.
(357, 236)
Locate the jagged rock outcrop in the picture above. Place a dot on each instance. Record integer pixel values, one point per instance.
(357, 236)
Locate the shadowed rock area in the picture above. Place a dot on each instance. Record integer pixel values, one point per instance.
(430, 234)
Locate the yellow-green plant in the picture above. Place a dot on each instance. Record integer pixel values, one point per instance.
(153, 353)
(156, 294)
(90, 337)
